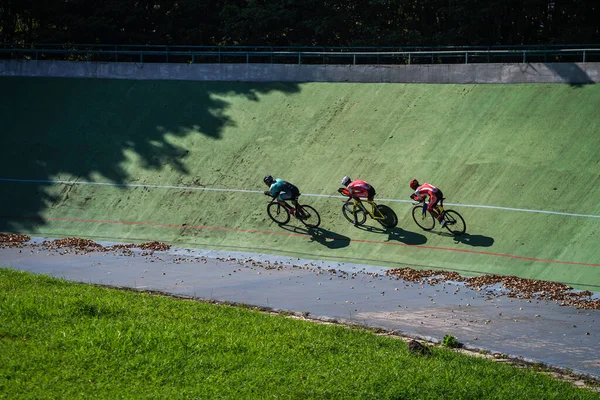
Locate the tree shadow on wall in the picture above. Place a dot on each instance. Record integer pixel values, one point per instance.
(91, 128)
(570, 73)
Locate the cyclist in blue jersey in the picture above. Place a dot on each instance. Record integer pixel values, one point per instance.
(283, 190)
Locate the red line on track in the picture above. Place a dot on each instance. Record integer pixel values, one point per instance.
(217, 228)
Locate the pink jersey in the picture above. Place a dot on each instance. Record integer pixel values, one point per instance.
(359, 188)
(428, 190)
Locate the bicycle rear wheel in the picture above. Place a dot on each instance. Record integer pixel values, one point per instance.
(308, 216)
(425, 221)
(278, 213)
(455, 222)
(390, 219)
(351, 212)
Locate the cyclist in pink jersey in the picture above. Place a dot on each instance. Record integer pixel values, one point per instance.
(435, 196)
(357, 188)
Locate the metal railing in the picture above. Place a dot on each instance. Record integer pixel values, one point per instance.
(303, 55)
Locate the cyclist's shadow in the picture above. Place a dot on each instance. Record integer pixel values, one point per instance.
(329, 239)
(399, 234)
(475, 240)
(471, 240)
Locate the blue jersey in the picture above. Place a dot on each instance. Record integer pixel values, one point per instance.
(280, 186)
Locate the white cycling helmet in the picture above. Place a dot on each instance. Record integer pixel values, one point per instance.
(346, 180)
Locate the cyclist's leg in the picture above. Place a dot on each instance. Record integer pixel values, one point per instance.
(371, 194)
(299, 210)
(283, 196)
(440, 196)
(439, 203)
(432, 207)
(370, 197)
(295, 195)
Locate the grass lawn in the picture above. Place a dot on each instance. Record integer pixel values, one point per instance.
(61, 339)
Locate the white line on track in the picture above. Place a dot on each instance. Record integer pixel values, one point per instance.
(61, 182)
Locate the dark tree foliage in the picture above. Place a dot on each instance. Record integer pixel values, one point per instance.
(327, 23)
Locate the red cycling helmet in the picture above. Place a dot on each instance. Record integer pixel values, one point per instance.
(414, 184)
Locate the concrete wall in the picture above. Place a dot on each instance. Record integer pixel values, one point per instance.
(573, 73)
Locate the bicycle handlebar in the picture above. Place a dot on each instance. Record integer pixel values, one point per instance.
(346, 193)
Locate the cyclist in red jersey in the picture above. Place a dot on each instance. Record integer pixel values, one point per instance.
(435, 196)
(357, 189)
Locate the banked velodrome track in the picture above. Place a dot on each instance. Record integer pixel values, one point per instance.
(182, 162)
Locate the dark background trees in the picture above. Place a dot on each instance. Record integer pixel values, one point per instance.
(397, 23)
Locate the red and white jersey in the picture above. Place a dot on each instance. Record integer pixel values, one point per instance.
(426, 190)
(359, 188)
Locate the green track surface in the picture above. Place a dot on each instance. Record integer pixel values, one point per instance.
(531, 146)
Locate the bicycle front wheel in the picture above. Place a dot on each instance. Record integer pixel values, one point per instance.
(308, 216)
(278, 213)
(354, 214)
(425, 221)
(390, 219)
(455, 222)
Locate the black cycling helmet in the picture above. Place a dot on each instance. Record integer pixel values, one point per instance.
(268, 180)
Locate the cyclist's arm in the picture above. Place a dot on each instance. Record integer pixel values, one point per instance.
(344, 191)
(351, 192)
(279, 186)
(354, 193)
(418, 196)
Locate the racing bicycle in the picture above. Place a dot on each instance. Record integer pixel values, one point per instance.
(455, 223)
(355, 211)
(280, 213)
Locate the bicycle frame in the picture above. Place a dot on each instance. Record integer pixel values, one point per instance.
(438, 208)
(283, 204)
(453, 221)
(359, 204)
(288, 207)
